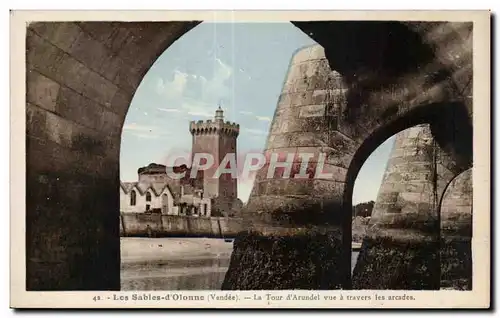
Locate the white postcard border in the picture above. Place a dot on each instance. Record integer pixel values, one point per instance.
(479, 297)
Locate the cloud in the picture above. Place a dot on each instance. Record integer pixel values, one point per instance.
(173, 88)
(263, 118)
(195, 107)
(255, 131)
(197, 87)
(144, 131)
(225, 70)
(260, 118)
(135, 127)
(200, 113)
(146, 136)
(169, 110)
(246, 113)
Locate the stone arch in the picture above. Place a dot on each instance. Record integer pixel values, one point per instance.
(379, 92)
(446, 158)
(433, 114)
(81, 77)
(456, 232)
(460, 188)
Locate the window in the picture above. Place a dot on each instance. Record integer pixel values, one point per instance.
(132, 198)
(164, 204)
(148, 197)
(148, 207)
(205, 209)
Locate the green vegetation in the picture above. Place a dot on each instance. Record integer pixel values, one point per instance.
(363, 209)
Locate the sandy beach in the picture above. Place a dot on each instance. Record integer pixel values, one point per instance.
(163, 249)
(175, 263)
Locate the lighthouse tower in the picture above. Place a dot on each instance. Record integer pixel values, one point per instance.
(217, 138)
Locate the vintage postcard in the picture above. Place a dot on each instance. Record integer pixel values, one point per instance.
(238, 159)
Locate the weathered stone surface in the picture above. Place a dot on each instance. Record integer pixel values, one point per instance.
(62, 67)
(389, 263)
(78, 108)
(407, 212)
(405, 177)
(304, 261)
(41, 55)
(456, 233)
(60, 34)
(359, 226)
(111, 34)
(74, 115)
(305, 122)
(456, 263)
(42, 90)
(89, 51)
(48, 126)
(456, 205)
(65, 221)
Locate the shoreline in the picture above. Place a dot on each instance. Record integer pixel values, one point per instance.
(143, 250)
(137, 250)
(177, 263)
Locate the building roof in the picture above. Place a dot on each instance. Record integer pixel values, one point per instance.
(155, 168)
(156, 187)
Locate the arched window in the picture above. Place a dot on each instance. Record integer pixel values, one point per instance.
(132, 197)
(148, 197)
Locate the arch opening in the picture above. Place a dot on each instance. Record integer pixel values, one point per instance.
(431, 114)
(368, 182)
(200, 97)
(407, 208)
(111, 59)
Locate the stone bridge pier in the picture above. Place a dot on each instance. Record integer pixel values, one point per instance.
(369, 81)
(408, 243)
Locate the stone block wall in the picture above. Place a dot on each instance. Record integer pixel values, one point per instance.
(140, 224)
(456, 233)
(306, 120)
(413, 181)
(80, 79)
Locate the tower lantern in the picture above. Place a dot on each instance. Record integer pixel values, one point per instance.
(219, 114)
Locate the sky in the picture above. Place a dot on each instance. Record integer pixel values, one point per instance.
(239, 66)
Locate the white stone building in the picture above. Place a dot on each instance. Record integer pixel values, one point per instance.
(140, 197)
